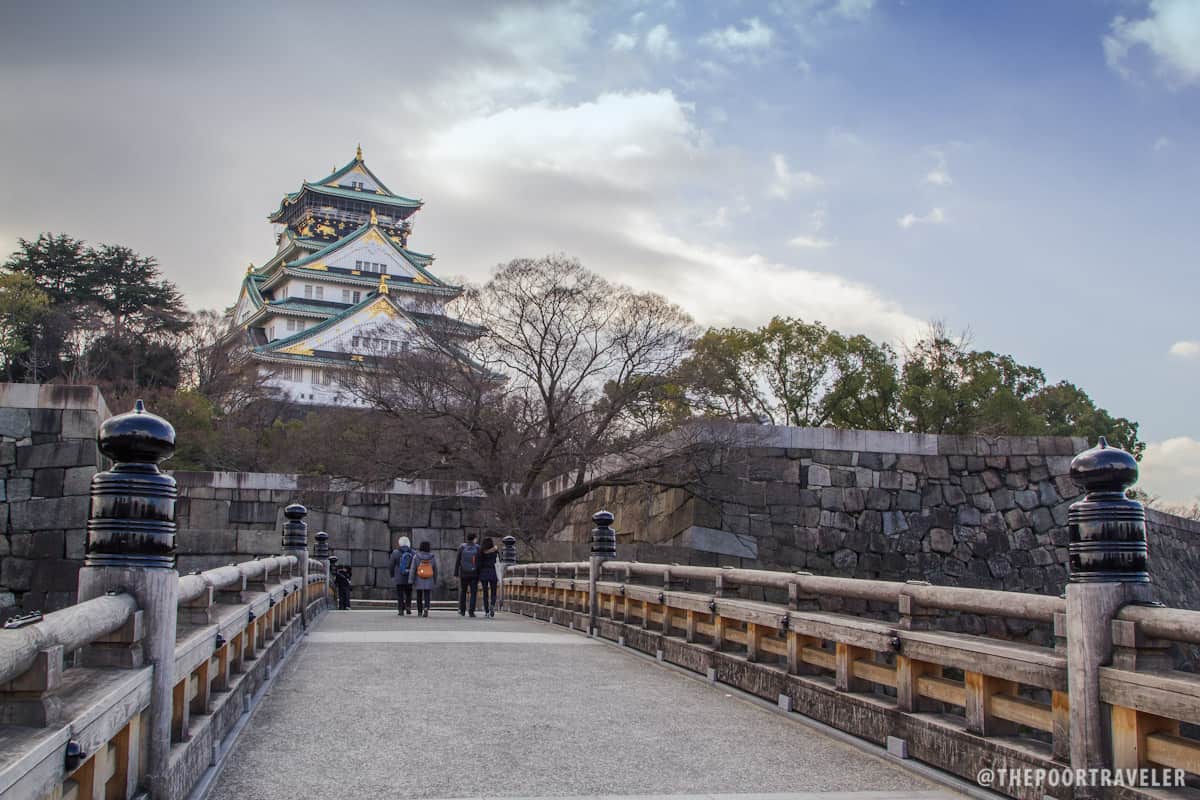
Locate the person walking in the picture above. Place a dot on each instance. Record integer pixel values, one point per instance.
(488, 578)
(423, 577)
(466, 569)
(401, 564)
(343, 583)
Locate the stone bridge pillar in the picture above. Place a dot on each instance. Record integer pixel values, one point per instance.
(604, 548)
(508, 558)
(295, 543)
(1108, 569)
(131, 546)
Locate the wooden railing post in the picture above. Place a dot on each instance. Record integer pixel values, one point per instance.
(604, 548)
(1108, 569)
(295, 543)
(131, 546)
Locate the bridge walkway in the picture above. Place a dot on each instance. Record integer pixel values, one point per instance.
(374, 705)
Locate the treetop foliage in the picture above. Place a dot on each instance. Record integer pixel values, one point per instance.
(792, 372)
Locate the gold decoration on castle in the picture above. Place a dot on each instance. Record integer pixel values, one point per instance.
(358, 153)
(297, 350)
(383, 286)
(381, 308)
(374, 217)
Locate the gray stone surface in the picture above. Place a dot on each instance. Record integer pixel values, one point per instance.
(520, 718)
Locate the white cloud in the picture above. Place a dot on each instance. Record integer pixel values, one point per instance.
(1162, 143)
(623, 42)
(784, 181)
(593, 177)
(614, 138)
(1170, 33)
(935, 217)
(524, 52)
(810, 242)
(1186, 349)
(940, 174)
(721, 287)
(736, 43)
(660, 44)
(1170, 470)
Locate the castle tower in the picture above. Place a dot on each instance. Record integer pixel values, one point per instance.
(342, 288)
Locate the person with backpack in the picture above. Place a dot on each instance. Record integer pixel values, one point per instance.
(401, 565)
(423, 577)
(466, 569)
(487, 575)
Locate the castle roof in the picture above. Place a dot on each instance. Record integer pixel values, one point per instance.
(330, 186)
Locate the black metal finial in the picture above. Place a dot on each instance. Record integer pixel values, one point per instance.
(132, 518)
(508, 553)
(322, 548)
(295, 530)
(604, 538)
(1107, 529)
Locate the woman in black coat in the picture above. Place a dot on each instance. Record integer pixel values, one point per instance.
(488, 577)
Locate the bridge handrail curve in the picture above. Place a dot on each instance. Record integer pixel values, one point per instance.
(192, 586)
(72, 628)
(1016, 605)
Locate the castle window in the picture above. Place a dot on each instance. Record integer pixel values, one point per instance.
(308, 290)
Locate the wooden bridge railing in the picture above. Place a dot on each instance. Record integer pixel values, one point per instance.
(1105, 697)
(132, 691)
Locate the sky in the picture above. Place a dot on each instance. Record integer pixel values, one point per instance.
(1025, 171)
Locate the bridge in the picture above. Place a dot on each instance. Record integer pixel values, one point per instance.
(599, 678)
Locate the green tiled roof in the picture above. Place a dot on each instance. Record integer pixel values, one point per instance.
(416, 260)
(392, 201)
(349, 166)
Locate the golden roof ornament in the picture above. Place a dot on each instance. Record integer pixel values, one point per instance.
(383, 287)
(358, 153)
(374, 218)
(250, 268)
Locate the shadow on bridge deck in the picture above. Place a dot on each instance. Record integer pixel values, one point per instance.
(374, 705)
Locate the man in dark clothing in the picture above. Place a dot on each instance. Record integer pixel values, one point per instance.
(466, 569)
(341, 580)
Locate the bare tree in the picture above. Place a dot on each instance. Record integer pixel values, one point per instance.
(210, 364)
(556, 374)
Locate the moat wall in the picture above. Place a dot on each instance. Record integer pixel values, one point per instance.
(968, 511)
(988, 512)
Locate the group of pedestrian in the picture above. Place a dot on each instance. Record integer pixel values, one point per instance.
(417, 571)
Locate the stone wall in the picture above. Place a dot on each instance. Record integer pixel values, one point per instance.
(47, 458)
(225, 517)
(952, 510)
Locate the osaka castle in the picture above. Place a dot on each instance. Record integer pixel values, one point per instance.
(343, 287)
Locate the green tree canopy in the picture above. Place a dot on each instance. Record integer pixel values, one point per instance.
(111, 316)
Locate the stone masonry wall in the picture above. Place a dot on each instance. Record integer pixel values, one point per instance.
(225, 517)
(952, 510)
(47, 458)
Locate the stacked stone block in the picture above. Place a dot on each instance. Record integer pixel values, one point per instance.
(225, 517)
(48, 455)
(952, 510)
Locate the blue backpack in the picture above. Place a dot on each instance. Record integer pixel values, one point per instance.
(406, 562)
(469, 561)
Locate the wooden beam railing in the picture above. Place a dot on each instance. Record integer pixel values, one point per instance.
(941, 692)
